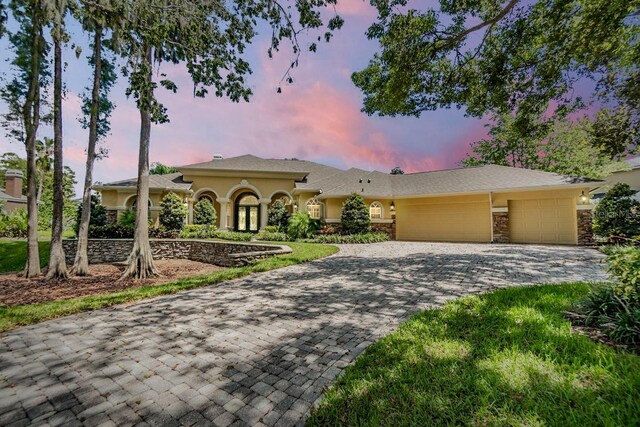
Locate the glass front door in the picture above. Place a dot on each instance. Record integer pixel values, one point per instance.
(247, 213)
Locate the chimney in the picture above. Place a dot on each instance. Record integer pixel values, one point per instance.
(13, 185)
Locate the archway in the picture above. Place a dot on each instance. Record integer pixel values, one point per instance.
(247, 213)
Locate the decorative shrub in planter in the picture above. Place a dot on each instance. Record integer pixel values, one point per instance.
(204, 213)
(173, 213)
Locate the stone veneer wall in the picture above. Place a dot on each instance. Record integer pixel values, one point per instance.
(500, 227)
(389, 228)
(224, 254)
(585, 228)
(112, 216)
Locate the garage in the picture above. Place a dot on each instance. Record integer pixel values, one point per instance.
(438, 220)
(543, 221)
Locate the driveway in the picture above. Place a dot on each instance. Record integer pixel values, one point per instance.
(253, 350)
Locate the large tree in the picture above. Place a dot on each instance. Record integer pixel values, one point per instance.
(498, 56)
(97, 109)
(210, 38)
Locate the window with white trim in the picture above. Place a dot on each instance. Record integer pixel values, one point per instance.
(375, 210)
(314, 208)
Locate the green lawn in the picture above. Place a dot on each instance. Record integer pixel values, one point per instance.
(11, 317)
(506, 358)
(13, 254)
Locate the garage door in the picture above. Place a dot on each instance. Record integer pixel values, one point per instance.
(542, 221)
(444, 222)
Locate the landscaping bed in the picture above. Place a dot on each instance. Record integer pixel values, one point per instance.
(16, 290)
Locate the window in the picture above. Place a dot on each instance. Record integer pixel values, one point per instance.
(314, 208)
(375, 210)
(206, 196)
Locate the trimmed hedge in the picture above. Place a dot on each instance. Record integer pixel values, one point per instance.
(199, 231)
(273, 236)
(350, 238)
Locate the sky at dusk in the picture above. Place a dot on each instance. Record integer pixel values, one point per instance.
(317, 118)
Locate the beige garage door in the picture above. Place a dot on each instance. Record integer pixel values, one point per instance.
(444, 222)
(543, 221)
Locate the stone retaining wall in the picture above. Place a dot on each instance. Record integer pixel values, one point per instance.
(224, 254)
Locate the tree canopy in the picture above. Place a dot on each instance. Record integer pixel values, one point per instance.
(500, 56)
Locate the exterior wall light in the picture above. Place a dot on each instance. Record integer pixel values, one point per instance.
(392, 209)
(584, 198)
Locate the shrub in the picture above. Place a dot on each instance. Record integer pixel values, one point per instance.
(234, 236)
(14, 225)
(98, 214)
(271, 236)
(624, 264)
(204, 213)
(128, 219)
(351, 238)
(278, 215)
(111, 231)
(162, 233)
(198, 231)
(302, 226)
(173, 212)
(355, 216)
(271, 229)
(617, 215)
(329, 229)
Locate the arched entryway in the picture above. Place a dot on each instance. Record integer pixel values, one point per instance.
(247, 213)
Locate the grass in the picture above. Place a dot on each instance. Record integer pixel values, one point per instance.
(505, 358)
(12, 317)
(13, 254)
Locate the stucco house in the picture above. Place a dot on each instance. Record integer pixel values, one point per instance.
(482, 204)
(12, 196)
(630, 176)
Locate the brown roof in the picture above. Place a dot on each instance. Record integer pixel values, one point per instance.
(333, 182)
(8, 198)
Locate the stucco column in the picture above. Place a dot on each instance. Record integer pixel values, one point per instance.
(190, 202)
(264, 213)
(223, 213)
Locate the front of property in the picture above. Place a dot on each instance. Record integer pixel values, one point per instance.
(483, 204)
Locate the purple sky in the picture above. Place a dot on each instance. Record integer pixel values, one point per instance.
(317, 118)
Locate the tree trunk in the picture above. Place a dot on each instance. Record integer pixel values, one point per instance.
(140, 263)
(57, 263)
(31, 117)
(81, 262)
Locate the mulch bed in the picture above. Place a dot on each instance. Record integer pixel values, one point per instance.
(16, 290)
(596, 334)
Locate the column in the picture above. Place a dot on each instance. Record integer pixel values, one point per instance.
(264, 213)
(190, 202)
(223, 213)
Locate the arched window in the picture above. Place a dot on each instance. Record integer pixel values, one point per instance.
(375, 210)
(314, 208)
(134, 203)
(206, 196)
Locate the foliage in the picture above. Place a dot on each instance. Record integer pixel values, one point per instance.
(128, 219)
(70, 205)
(278, 215)
(98, 214)
(329, 229)
(271, 229)
(12, 317)
(559, 146)
(273, 236)
(302, 226)
(199, 231)
(355, 216)
(497, 56)
(234, 236)
(615, 133)
(158, 168)
(122, 230)
(509, 357)
(351, 238)
(173, 212)
(204, 213)
(624, 264)
(163, 233)
(397, 171)
(617, 215)
(12, 161)
(14, 225)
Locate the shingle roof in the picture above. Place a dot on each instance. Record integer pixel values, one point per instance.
(170, 181)
(313, 171)
(8, 198)
(333, 182)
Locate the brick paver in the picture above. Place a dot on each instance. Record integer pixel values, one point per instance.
(253, 351)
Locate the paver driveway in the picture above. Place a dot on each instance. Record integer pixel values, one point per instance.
(254, 350)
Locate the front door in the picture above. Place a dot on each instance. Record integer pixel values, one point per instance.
(247, 213)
